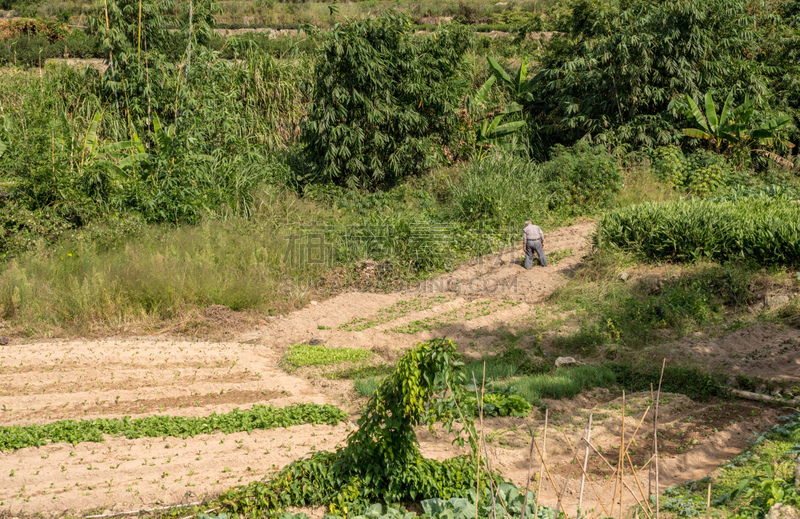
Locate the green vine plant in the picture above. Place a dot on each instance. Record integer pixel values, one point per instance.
(381, 461)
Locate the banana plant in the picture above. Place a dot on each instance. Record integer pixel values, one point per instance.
(520, 85)
(490, 132)
(117, 156)
(491, 128)
(5, 134)
(729, 127)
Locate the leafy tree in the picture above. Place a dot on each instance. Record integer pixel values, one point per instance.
(383, 102)
(621, 70)
(149, 51)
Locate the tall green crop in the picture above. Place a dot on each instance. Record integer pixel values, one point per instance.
(764, 230)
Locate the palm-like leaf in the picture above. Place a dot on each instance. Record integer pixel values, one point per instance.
(711, 114)
(695, 115)
(500, 71)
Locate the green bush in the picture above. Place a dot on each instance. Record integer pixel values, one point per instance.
(578, 179)
(701, 173)
(758, 230)
(383, 101)
(499, 191)
(563, 382)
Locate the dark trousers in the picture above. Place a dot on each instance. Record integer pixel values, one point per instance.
(532, 246)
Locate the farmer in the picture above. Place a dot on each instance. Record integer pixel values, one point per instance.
(533, 240)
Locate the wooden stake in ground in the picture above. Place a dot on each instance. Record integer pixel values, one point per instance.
(527, 480)
(479, 400)
(650, 472)
(542, 456)
(585, 463)
(708, 503)
(622, 456)
(655, 436)
(549, 476)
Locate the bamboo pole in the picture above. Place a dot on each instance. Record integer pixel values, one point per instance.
(585, 463)
(541, 469)
(527, 480)
(655, 437)
(552, 482)
(594, 490)
(569, 475)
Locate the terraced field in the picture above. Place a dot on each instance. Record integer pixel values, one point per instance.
(48, 382)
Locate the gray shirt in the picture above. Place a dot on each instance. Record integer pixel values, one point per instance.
(532, 232)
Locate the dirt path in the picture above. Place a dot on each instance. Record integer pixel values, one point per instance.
(473, 305)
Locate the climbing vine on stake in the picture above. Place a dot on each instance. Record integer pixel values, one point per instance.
(381, 461)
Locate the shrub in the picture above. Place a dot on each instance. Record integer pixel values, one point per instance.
(581, 178)
(760, 230)
(563, 382)
(383, 101)
(499, 191)
(701, 173)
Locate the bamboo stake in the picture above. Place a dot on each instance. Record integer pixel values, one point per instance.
(552, 482)
(541, 469)
(650, 472)
(527, 480)
(617, 469)
(585, 463)
(477, 450)
(483, 439)
(620, 465)
(655, 438)
(708, 503)
(569, 474)
(591, 485)
(638, 484)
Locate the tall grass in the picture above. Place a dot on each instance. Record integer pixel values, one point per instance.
(155, 274)
(564, 382)
(499, 191)
(760, 230)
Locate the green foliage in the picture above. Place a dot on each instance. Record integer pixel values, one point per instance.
(383, 102)
(381, 461)
(764, 491)
(301, 355)
(748, 485)
(692, 381)
(258, 417)
(759, 230)
(583, 178)
(498, 403)
(367, 387)
(564, 382)
(620, 68)
(498, 192)
(729, 130)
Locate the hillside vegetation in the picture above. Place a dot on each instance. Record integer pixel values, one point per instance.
(415, 150)
(376, 148)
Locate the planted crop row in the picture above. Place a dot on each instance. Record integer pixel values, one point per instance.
(396, 311)
(465, 313)
(258, 417)
(764, 230)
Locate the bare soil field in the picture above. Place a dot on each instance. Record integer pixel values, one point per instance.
(143, 376)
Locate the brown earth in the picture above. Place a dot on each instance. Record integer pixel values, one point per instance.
(474, 305)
